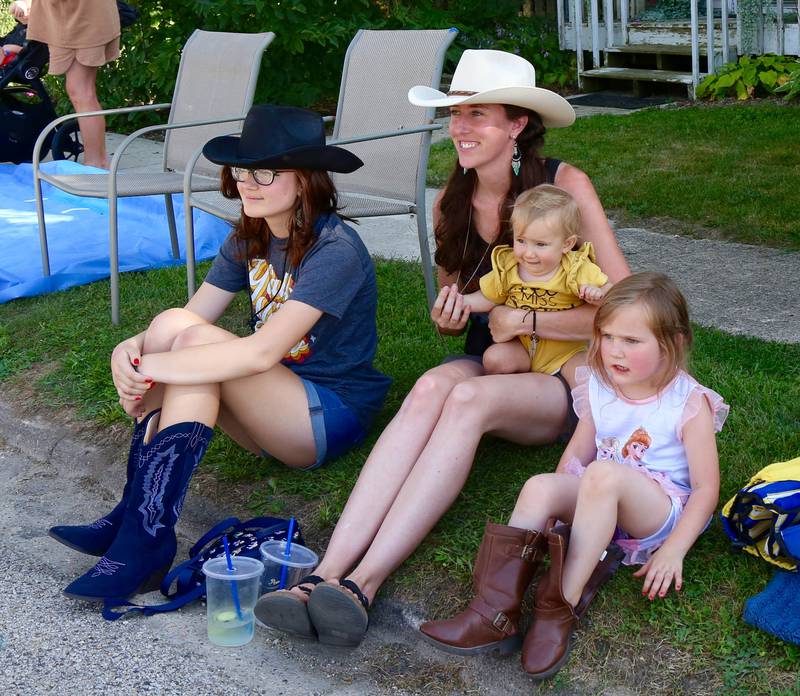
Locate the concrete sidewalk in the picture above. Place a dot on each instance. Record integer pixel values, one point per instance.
(53, 645)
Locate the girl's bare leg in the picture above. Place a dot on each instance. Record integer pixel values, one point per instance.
(610, 493)
(388, 465)
(82, 92)
(528, 409)
(545, 496)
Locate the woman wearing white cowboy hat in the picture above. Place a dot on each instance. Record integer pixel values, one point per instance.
(301, 386)
(421, 461)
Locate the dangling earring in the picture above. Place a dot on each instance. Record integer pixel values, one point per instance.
(465, 170)
(516, 159)
(298, 218)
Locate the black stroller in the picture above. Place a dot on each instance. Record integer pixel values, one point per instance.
(26, 107)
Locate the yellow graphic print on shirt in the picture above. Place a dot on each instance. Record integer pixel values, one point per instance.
(267, 294)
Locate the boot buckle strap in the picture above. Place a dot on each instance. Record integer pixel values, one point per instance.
(497, 619)
(502, 623)
(529, 552)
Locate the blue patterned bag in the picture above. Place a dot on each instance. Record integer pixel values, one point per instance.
(244, 539)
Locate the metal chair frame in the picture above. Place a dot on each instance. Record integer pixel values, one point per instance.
(195, 181)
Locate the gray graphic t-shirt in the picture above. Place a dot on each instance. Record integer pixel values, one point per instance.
(336, 276)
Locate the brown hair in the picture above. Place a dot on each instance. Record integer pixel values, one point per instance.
(317, 197)
(453, 251)
(667, 315)
(547, 201)
(638, 435)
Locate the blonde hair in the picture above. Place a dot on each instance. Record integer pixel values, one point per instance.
(667, 317)
(547, 201)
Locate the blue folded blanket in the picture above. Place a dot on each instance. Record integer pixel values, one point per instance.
(77, 231)
(776, 609)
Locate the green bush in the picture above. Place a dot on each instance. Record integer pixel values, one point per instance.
(751, 77)
(791, 87)
(303, 64)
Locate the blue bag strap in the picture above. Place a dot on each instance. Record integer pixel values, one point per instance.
(215, 531)
(181, 574)
(264, 522)
(112, 612)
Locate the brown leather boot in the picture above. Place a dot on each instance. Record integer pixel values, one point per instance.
(547, 643)
(506, 562)
(543, 662)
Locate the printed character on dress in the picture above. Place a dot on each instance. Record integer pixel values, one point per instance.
(635, 390)
(608, 448)
(541, 272)
(638, 443)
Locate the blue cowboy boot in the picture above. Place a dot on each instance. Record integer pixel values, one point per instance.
(95, 538)
(145, 545)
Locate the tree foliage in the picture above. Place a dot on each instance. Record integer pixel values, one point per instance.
(303, 64)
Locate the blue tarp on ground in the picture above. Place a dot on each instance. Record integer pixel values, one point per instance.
(77, 234)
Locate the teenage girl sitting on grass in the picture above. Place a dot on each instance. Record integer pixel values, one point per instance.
(661, 496)
(540, 272)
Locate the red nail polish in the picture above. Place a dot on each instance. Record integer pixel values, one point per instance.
(148, 379)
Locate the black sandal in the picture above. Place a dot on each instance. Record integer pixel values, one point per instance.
(339, 613)
(285, 611)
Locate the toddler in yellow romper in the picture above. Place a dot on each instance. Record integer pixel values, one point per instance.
(541, 273)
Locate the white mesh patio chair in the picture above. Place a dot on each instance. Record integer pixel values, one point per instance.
(375, 120)
(213, 91)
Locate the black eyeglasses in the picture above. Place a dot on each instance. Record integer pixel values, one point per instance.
(263, 177)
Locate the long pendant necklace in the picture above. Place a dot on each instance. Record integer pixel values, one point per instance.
(464, 252)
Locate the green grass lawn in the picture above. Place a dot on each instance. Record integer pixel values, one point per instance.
(702, 626)
(735, 170)
(728, 171)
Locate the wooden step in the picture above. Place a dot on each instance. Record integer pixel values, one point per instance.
(666, 49)
(640, 75)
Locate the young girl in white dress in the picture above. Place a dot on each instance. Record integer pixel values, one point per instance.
(654, 497)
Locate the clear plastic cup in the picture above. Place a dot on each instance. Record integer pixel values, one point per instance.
(228, 626)
(300, 562)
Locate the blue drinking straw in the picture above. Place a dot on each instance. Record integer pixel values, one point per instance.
(287, 551)
(234, 588)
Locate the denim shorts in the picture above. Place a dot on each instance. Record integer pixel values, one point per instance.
(334, 424)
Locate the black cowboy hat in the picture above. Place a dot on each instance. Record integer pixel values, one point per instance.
(281, 137)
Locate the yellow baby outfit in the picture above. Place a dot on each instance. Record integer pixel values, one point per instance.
(504, 286)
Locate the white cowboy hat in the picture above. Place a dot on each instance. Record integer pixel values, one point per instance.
(497, 77)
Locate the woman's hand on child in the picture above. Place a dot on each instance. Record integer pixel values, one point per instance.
(662, 569)
(130, 385)
(449, 312)
(505, 323)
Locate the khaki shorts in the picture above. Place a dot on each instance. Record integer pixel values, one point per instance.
(93, 57)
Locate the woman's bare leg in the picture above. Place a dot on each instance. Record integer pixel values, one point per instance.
(267, 411)
(159, 337)
(609, 494)
(82, 92)
(528, 409)
(388, 465)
